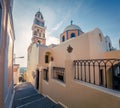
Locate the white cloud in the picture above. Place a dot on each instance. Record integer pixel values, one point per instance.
(55, 28)
(52, 40)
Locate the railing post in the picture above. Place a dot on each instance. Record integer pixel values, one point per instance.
(99, 73)
(85, 70)
(94, 72)
(89, 72)
(105, 76)
(78, 70)
(112, 77)
(81, 70)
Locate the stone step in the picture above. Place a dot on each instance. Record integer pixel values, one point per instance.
(22, 101)
(26, 96)
(42, 103)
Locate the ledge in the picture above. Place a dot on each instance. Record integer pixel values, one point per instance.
(47, 82)
(100, 88)
(59, 82)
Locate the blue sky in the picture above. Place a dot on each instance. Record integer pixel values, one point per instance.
(87, 14)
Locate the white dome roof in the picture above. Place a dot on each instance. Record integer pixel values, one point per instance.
(72, 27)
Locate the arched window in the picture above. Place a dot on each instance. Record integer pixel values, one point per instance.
(72, 35)
(44, 35)
(38, 15)
(109, 46)
(35, 32)
(39, 34)
(38, 43)
(100, 37)
(41, 17)
(47, 57)
(79, 33)
(63, 38)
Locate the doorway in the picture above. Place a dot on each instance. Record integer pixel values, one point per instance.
(37, 79)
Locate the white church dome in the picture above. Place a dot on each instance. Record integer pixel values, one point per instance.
(72, 27)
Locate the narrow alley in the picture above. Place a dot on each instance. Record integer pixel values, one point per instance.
(26, 96)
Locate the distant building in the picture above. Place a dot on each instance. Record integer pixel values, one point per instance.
(23, 69)
(71, 72)
(16, 72)
(7, 37)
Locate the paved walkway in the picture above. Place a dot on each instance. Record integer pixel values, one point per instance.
(26, 96)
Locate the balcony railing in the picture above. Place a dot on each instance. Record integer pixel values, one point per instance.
(102, 72)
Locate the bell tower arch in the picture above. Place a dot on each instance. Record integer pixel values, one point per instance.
(38, 29)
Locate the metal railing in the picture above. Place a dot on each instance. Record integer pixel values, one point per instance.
(103, 72)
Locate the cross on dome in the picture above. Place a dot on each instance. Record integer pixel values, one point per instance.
(71, 22)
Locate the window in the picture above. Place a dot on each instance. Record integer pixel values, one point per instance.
(59, 74)
(39, 34)
(38, 15)
(78, 32)
(37, 22)
(0, 23)
(100, 36)
(60, 77)
(44, 35)
(41, 17)
(72, 35)
(63, 38)
(35, 32)
(46, 59)
(109, 46)
(45, 74)
(38, 43)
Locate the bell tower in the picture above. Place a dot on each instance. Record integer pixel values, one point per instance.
(38, 29)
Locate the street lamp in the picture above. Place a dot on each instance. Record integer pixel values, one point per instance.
(17, 58)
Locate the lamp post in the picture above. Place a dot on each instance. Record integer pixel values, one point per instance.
(17, 58)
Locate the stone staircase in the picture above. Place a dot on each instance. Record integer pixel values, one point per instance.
(26, 96)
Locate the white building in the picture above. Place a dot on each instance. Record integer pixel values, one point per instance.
(7, 37)
(77, 70)
(16, 70)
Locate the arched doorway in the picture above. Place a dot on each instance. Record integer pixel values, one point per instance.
(48, 57)
(63, 38)
(37, 79)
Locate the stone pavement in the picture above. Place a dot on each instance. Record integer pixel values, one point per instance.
(26, 96)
